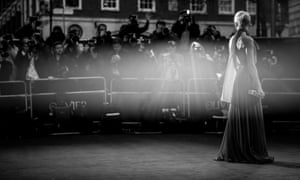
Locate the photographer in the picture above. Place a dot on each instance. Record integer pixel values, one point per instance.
(160, 36)
(268, 65)
(171, 62)
(85, 59)
(9, 45)
(29, 29)
(186, 23)
(202, 64)
(102, 43)
(132, 29)
(60, 65)
(6, 66)
(161, 33)
(194, 30)
(104, 38)
(22, 60)
(55, 36)
(211, 33)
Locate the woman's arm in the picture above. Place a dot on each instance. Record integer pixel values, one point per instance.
(250, 52)
(232, 56)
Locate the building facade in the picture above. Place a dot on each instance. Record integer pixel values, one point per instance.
(114, 13)
(84, 15)
(11, 16)
(294, 18)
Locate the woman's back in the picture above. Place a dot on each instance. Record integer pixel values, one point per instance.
(243, 43)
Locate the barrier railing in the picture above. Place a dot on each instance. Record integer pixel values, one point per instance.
(133, 96)
(201, 96)
(145, 86)
(282, 100)
(87, 93)
(281, 85)
(10, 90)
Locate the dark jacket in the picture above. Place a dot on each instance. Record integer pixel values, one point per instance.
(133, 28)
(6, 69)
(64, 67)
(22, 62)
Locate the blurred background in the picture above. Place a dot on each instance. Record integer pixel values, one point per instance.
(65, 61)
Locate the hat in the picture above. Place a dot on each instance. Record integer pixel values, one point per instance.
(172, 43)
(161, 22)
(132, 16)
(57, 43)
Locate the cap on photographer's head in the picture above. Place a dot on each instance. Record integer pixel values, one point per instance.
(132, 18)
(196, 47)
(172, 43)
(57, 43)
(160, 22)
(57, 29)
(102, 27)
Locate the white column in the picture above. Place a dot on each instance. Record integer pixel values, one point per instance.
(24, 4)
(30, 8)
(37, 6)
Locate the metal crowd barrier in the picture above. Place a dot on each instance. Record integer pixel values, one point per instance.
(281, 85)
(13, 94)
(282, 101)
(62, 98)
(202, 98)
(137, 98)
(13, 108)
(126, 98)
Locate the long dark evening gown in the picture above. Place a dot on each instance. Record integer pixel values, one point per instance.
(244, 138)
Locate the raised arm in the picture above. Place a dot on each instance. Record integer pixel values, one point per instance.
(146, 26)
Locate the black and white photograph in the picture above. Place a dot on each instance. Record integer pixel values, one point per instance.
(149, 89)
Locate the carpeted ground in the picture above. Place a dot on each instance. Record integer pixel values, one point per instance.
(162, 156)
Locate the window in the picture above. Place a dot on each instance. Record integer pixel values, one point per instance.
(251, 7)
(226, 6)
(67, 4)
(72, 4)
(43, 7)
(173, 5)
(58, 4)
(146, 5)
(198, 6)
(110, 5)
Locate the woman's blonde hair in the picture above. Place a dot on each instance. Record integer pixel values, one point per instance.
(242, 19)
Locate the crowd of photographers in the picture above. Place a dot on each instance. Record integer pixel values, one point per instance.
(171, 53)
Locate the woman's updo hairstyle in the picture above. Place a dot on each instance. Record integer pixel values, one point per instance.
(242, 19)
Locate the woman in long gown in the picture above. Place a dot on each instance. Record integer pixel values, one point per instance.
(244, 138)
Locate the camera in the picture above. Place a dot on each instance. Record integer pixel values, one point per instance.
(187, 16)
(92, 42)
(133, 18)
